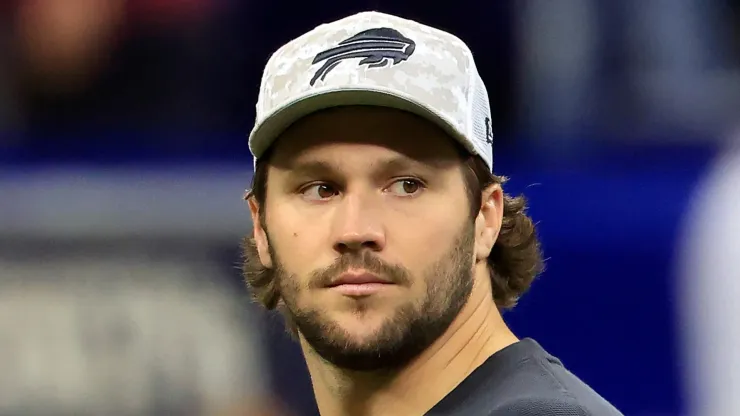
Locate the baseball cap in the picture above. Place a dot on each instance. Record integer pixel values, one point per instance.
(375, 59)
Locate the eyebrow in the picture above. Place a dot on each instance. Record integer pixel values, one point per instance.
(311, 169)
(382, 168)
(399, 164)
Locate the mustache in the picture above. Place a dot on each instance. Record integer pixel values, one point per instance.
(365, 260)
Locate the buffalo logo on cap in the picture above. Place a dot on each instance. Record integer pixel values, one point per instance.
(378, 48)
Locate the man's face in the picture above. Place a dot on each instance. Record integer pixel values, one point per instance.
(368, 230)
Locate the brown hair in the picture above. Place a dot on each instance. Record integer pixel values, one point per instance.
(515, 259)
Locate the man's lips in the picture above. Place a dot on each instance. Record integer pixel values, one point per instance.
(358, 278)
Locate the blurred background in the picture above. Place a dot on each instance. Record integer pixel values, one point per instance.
(123, 159)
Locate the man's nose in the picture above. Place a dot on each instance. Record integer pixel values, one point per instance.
(358, 225)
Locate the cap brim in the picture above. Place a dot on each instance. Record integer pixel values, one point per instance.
(266, 132)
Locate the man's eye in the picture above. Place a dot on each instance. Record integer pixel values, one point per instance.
(318, 192)
(406, 187)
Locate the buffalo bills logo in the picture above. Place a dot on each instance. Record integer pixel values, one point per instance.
(377, 47)
(489, 137)
(489, 131)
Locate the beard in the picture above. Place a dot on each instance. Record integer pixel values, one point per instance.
(411, 328)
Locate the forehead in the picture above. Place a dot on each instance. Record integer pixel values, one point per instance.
(363, 134)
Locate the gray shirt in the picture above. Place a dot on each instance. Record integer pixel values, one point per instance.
(523, 380)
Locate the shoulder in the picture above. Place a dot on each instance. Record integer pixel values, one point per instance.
(525, 406)
(544, 387)
(524, 380)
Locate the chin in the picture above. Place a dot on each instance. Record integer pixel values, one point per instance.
(361, 324)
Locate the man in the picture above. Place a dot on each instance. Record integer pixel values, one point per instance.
(382, 235)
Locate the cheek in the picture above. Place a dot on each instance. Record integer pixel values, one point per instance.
(298, 243)
(420, 242)
(430, 227)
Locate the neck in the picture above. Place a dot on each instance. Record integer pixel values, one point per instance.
(477, 333)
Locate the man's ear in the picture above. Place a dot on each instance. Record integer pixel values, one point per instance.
(489, 219)
(260, 236)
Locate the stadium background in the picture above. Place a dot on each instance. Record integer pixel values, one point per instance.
(123, 159)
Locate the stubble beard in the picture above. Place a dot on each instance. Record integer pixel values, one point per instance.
(411, 329)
